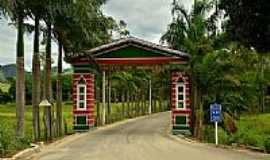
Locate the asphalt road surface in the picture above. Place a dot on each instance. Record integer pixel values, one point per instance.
(141, 139)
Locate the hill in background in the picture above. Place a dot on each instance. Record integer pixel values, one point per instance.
(7, 71)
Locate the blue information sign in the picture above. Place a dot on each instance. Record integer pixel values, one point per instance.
(215, 112)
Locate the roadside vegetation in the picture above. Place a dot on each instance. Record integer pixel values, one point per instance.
(252, 131)
(229, 64)
(10, 145)
(4, 87)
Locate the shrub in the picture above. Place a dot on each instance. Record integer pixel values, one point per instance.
(5, 137)
(8, 143)
(229, 123)
(208, 134)
(267, 144)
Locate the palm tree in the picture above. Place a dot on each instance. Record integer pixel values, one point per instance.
(188, 32)
(35, 10)
(15, 10)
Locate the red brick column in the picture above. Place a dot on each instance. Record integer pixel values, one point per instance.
(89, 79)
(175, 78)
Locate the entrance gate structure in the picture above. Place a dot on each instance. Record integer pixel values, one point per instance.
(126, 52)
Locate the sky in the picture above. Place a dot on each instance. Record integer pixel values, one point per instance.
(146, 19)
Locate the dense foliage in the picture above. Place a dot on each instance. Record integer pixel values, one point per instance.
(222, 70)
(249, 22)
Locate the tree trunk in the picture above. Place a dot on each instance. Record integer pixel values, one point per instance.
(261, 85)
(59, 118)
(195, 118)
(199, 114)
(115, 96)
(144, 104)
(123, 105)
(128, 104)
(20, 80)
(97, 95)
(109, 96)
(137, 104)
(36, 83)
(48, 88)
(103, 97)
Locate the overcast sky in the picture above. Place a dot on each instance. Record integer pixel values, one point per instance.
(146, 19)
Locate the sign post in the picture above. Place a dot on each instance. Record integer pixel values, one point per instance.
(215, 116)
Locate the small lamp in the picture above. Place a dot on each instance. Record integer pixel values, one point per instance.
(45, 103)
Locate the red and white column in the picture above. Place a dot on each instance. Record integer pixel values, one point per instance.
(84, 114)
(180, 102)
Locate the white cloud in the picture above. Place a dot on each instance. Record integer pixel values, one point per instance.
(8, 46)
(147, 19)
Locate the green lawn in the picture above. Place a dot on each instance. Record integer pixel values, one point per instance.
(4, 87)
(8, 143)
(252, 130)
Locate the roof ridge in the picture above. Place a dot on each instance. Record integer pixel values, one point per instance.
(131, 39)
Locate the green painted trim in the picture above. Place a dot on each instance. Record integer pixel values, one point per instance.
(180, 120)
(131, 52)
(81, 128)
(84, 68)
(181, 127)
(82, 71)
(182, 132)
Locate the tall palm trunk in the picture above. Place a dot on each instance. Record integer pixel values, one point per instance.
(48, 62)
(36, 83)
(47, 82)
(109, 95)
(261, 85)
(59, 91)
(199, 115)
(20, 80)
(98, 95)
(128, 104)
(123, 104)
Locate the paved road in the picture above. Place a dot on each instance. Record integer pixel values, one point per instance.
(142, 139)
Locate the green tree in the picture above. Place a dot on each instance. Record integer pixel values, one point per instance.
(189, 32)
(35, 9)
(250, 26)
(16, 11)
(77, 26)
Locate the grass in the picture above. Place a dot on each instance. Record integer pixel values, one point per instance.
(252, 130)
(4, 87)
(8, 144)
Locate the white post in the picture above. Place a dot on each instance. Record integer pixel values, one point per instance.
(103, 98)
(216, 132)
(150, 97)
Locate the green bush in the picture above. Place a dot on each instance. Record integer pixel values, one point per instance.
(5, 137)
(209, 135)
(229, 123)
(267, 144)
(224, 138)
(8, 143)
